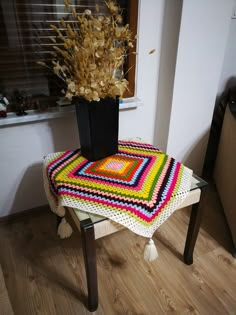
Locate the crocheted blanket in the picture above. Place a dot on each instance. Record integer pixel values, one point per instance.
(139, 187)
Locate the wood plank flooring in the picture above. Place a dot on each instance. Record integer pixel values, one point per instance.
(5, 304)
(45, 275)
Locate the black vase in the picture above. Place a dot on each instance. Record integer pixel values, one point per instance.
(98, 124)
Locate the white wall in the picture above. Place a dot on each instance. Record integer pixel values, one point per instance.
(23, 146)
(203, 34)
(22, 149)
(168, 52)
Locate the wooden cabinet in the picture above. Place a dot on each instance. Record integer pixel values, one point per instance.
(225, 171)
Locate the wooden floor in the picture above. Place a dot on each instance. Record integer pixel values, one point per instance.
(45, 275)
(5, 304)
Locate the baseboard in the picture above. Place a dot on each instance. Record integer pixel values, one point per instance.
(19, 215)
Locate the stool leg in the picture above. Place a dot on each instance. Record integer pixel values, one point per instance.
(89, 251)
(193, 228)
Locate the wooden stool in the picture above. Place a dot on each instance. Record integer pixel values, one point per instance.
(93, 227)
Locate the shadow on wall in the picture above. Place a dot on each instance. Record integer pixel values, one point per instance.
(194, 157)
(30, 192)
(23, 187)
(64, 133)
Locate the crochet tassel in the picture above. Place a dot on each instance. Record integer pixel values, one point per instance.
(64, 229)
(150, 251)
(60, 211)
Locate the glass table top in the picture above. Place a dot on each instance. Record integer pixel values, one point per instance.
(197, 182)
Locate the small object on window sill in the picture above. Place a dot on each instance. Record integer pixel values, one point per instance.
(3, 106)
(38, 106)
(64, 104)
(63, 101)
(20, 103)
(3, 113)
(21, 111)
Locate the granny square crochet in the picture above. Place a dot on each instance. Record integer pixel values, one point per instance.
(139, 187)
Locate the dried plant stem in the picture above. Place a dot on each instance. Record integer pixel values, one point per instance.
(90, 53)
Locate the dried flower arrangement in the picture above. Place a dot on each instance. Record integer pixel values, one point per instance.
(91, 51)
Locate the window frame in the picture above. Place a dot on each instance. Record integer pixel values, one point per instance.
(130, 65)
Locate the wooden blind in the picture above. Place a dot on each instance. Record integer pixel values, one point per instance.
(25, 38)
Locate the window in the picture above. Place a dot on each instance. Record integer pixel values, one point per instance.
(25, 38)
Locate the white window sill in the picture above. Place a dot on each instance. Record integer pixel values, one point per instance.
(130, 103)
(35, 116)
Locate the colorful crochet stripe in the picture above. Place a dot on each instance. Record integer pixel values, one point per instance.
(139, 187)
